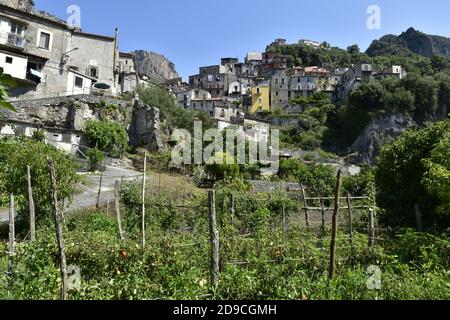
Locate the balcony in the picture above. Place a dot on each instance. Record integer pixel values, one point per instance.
(15, 41)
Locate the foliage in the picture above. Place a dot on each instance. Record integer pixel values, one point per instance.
(414, 170)
(360, 185)
(6, 82)
(16, 154)
(175, 118)
(437, 174)
(95, 157)
(273, 264)
(320, 179)
(158, 97)
(312, 122)
(222, 166)
(107, 136)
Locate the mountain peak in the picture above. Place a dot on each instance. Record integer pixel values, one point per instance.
(154, 65)
(409, 43)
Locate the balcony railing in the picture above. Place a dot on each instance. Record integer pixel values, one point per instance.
(15, 40)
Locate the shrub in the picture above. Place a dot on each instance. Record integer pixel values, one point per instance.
(95, 157)
(107, 136)
(16, 154)
(414, 170)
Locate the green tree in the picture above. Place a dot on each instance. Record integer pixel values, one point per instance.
(353, 49)
(414, 170)
(107, 136)
(16, 154)
(222, 166)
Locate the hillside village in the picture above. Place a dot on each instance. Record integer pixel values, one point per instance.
(351, 201)
(50, 59)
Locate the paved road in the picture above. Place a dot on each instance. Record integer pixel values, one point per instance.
(88, 197)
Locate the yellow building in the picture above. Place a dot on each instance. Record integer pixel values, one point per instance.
(260, 99)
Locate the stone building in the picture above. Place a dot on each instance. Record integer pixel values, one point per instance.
(279, 89)
(49, 58)
(310, 80)
(215, 79)
(353, 78)
(128, 75)
(184, 98)
(272, 62)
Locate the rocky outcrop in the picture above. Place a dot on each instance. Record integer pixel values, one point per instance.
(411, 41)
(144, 130)
(69, 112)
(155, 66)
(380, 131)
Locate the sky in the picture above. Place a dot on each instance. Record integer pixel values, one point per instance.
(194, 33)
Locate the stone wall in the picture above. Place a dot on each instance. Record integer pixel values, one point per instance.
(144, 129)
(69, 112)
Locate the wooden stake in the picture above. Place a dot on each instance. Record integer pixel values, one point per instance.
(99, 191)
(143, 201)
(12, 234)
(284, 222)
(371, 228)
(350, 220)
(107, 203)
(232, 209)
(117, 208)
(305, 203)
(214, 240)
(332, 269)
(31, 207)
(322, 204)
(418, 217)
(59, 231)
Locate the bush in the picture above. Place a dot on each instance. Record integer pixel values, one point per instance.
(95, 157)
(107, 136)
(414, 170)
(16, 154)
(320, 179)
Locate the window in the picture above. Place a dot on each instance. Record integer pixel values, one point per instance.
(44, 41)
(276, 93)
(258, 91)
(78, 82)
(9, 60)
(282, 81)
(17, 29)
(93, 72)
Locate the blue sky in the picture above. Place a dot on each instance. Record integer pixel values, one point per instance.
(194, 33)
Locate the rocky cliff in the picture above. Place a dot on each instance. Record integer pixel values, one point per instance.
(410, 42)
(157, 67)
(381, 130)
